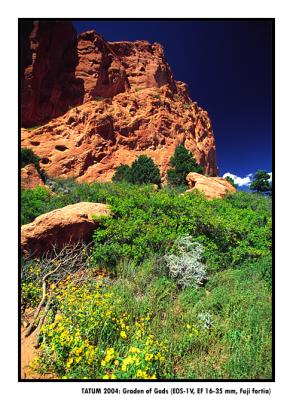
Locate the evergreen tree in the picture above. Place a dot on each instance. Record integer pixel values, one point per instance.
(261, 182)
(27, 156)
(182, 162)
(144, 170)
(122, 173)
(230, 180)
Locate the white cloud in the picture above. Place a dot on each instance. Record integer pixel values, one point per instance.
(238, 180)
(243, 181)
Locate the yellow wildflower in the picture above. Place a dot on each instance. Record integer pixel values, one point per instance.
(69, 362)
(123, 335)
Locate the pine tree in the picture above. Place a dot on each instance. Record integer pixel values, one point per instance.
(231, 180)
(122, 173)
(182, 162)
(144, 170)
(261, 182)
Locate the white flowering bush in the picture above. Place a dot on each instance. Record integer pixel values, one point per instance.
(185, 263)
(205, 319)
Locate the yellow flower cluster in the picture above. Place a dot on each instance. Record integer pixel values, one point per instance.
(192, 331)
(143, 375)
(88, 320)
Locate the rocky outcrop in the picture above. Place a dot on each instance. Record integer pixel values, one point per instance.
(112, 102)
(48, 61)
(30, 177)
(210, 186)
(91, 140)
(58, 227)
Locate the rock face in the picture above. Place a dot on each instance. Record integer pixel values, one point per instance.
(48, 62)
(30, 177)
(106, 103)
(68, 224)
(211, 187)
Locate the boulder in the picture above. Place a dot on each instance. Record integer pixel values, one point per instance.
(30, 178)
(212, 187)
(72, 223)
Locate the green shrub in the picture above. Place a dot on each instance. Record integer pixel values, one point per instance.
(34, 203)
(122, 173)
(142, 171)
(146, 222)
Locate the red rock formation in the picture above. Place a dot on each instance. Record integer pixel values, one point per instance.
(128, 104)
(99, 68)
(213, 188)
(30, 177)
(49, 59)
(68, 224)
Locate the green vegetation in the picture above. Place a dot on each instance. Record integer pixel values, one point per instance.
(175, 286)
(27, 156)
(122, 173)
(143, 170)
(182, 162)
(99, 98)
(261, 182)
(230, 180)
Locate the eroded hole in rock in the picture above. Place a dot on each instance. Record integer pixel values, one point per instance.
(45, 160)
(61, 147)
(34, 143)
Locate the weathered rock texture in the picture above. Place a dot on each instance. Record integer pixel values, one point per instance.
(106, 103)
(49, 59)
(30, 177)
(212, 187)
(68, 224)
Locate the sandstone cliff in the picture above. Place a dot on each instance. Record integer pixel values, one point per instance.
(103, 103)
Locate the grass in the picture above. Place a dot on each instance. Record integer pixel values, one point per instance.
(218, 330)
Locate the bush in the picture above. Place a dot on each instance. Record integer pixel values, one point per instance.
(142, 171)
(122, 173)
(146, 222)
(182, 162)
(185, 264)
(34, 203)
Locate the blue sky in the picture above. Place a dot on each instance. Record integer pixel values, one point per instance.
(228, 68)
